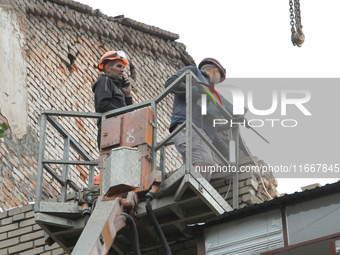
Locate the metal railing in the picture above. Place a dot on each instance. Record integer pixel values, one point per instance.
(69, 141)
(47, 116)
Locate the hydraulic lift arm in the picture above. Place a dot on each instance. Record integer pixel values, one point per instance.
(125, 172)
(106, 220)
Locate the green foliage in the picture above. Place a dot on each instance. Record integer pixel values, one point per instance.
(3, 128)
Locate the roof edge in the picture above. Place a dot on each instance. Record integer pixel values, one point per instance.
(288, 199)
(121, 19)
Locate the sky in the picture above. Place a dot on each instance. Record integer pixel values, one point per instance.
(252, 39)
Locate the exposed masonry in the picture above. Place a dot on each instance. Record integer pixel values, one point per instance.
(63, 42)
(252, 190)
(20, 235)
(254, 187)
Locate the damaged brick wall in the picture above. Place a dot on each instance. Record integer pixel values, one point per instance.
(63, 42)
(19, 162)
(254, 188)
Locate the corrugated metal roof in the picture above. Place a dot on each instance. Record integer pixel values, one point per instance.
(275, 203)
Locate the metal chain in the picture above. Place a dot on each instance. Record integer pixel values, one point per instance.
(297, 12)
(291, 10)
(298, 37)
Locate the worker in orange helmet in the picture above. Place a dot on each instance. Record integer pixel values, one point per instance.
(112, 90)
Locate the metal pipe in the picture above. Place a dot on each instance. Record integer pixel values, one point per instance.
(169, 137)
(162, 162)
(71, 162)
(210, 145)
(134, 232)
(149, 196)
(154, 136)
(91, 177)
(236, 134)
(54, 175)
(73, 185)
(65, 134)
(38, 188)
(126, 109)
(188, 158)
(72, 114)
(171, 87)
(65, 169)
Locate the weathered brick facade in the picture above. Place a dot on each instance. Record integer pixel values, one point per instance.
(63, 41)
(50, 59)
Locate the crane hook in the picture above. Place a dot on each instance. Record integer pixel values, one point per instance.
(298, 37)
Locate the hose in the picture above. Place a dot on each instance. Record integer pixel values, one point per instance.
(135, 238)
(149, 196)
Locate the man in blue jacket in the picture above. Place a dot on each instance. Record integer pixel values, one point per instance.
(210, 72)
(112, 90)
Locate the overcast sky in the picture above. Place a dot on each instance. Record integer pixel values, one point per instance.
(252, 39)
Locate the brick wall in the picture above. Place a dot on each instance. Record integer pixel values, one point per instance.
(254, 187)
(19, 234)
(19, 162)
(63, 42)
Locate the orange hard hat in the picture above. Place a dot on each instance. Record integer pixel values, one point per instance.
(113, 55)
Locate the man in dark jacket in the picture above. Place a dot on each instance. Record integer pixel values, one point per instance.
(112, 89)
(210, 72)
